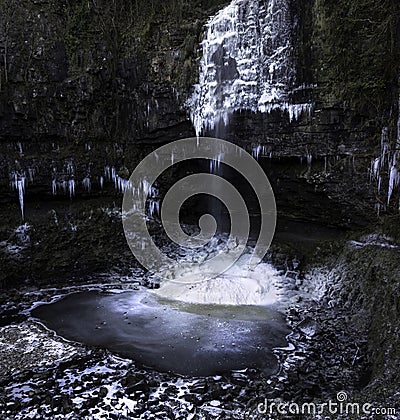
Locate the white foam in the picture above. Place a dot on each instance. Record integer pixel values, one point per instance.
(239, 285)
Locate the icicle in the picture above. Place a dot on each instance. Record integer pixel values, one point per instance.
(107, 173)
(388, 155)
(392, 180)
(87, 184)
(154, 208)
(18, 182)
(114, 176)
(70, 167)
(146, 187)
(31, 172)
(378, 208)
(151, 208)
(375, 169)
(256, 152)
(219, 158)
(21, 192)
(71, 187)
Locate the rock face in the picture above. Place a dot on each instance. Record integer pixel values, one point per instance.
(78, 95)
(87, 89)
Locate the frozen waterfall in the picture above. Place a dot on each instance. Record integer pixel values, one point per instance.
(246, 63)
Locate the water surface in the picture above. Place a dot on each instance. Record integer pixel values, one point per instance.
(170, 336)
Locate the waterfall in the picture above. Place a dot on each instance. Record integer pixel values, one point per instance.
(246, 64)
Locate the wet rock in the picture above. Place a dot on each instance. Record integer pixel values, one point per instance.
(170, 390)
(195, 399)
(216, 391)
(66, 403)
(103, 391)
(140, 386)
(200, 387)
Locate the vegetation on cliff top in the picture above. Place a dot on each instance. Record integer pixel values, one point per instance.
(360, 55)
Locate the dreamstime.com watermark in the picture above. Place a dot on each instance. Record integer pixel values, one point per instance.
(340, 406)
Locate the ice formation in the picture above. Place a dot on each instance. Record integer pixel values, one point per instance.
(67, 186)
(18, 183)
(384, 167)
(64, 181)
(145, 188)
(87, 185)
(120, 184)
(245, 64)
(239, 285)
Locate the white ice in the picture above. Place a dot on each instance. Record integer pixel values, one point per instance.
(239, 285)
(245, 64)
